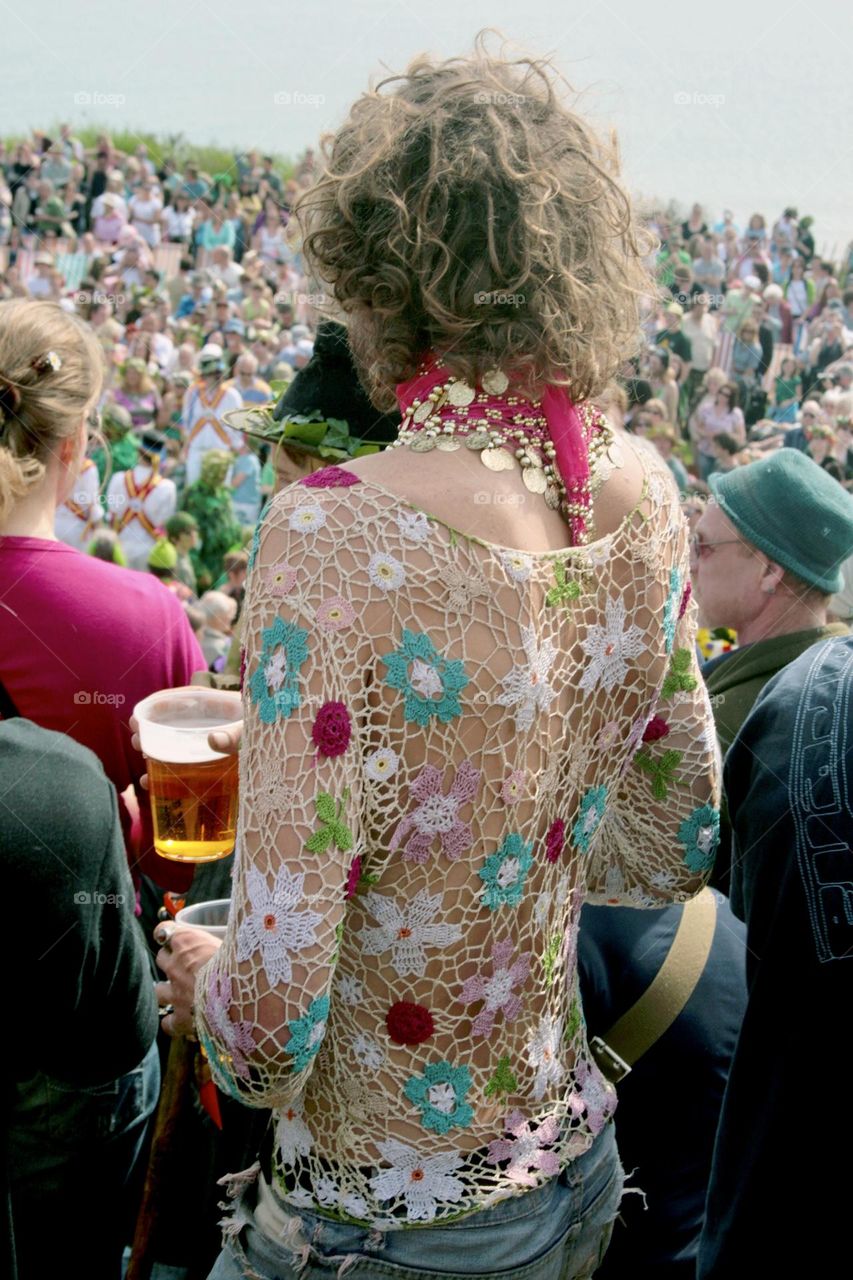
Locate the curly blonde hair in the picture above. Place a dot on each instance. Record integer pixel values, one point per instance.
(474, 214)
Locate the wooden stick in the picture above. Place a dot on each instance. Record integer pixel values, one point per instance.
(178, 1080)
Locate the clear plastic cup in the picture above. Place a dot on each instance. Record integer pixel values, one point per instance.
(193, 790)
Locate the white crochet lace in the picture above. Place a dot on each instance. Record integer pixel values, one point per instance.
(482, 773)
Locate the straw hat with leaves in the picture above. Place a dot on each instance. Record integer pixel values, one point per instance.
(324, 412)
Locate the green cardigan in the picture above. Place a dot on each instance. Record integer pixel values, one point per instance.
(735, 681)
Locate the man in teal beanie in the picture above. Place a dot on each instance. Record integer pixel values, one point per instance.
(766, 557)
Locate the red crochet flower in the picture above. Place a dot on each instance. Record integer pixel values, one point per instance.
(332, 729)
(555, 840)
(656, 728)
(409, 1023)
(242, 668)
(330, 478)
(685, 599)
(353, 877)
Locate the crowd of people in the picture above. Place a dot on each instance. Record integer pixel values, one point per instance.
(195, 487)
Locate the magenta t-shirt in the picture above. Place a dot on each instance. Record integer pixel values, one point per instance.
(81, 642)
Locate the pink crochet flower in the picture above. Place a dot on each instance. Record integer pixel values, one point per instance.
(335, 613)
(332, 729)
(685, 599)
(599, 1100)
(524, 1149)
(280, 579)
(656, 728)
(498, 990)
(330, 478)
(609, 735)
(437, 814)
(513, 787)
(235, 1037)
(555, 840)
(353, 877)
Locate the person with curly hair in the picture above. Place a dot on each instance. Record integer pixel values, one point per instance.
(452, 650)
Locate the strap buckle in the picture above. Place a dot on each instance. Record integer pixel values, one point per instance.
(608, 1061)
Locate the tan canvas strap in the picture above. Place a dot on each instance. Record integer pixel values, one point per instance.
(667, 994)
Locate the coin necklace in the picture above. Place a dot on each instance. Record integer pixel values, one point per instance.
(505, 430)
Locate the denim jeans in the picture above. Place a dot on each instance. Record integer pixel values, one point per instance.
(559, 1231)
(73, 1155)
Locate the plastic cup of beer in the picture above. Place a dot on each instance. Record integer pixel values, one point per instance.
(193, 790)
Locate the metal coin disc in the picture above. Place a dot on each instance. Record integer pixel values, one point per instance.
(552, 497)
(497, 460)
(423, 411)
(615, 454)
(447, 444)
(534, 478)
(423, 444)
(477, 440)
(460, 394)
(495, 382)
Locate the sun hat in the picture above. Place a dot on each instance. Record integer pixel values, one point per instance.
(792, 510)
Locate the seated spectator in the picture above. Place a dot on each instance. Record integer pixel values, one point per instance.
(665, 437)
(220, 612)
(787, 390)
(106, 546)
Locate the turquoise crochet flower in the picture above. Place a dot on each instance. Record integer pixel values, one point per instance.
(589, 817)
(440, 1094)
(419, 670)
(220, 1069)
(253, 553)
(505, 871)
(274, 686)
(670, 611)
(306, 1033)
(700, 835)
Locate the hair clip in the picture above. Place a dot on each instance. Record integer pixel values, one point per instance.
(50, 362)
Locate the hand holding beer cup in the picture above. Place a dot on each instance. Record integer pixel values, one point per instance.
(183, 951)
(190, 736)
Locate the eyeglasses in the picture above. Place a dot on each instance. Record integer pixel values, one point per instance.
(700, 550)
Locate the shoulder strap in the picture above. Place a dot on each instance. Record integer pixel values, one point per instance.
(667, 994)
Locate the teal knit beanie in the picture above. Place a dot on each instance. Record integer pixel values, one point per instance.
(793, 511)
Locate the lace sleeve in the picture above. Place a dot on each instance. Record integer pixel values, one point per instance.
(658, 838)
(262, 1002)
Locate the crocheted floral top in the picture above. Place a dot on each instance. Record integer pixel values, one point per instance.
(448, 746)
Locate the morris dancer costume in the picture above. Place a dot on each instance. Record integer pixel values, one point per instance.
(204, 424)
(140, 502)
(79, 515)
(448, 745)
